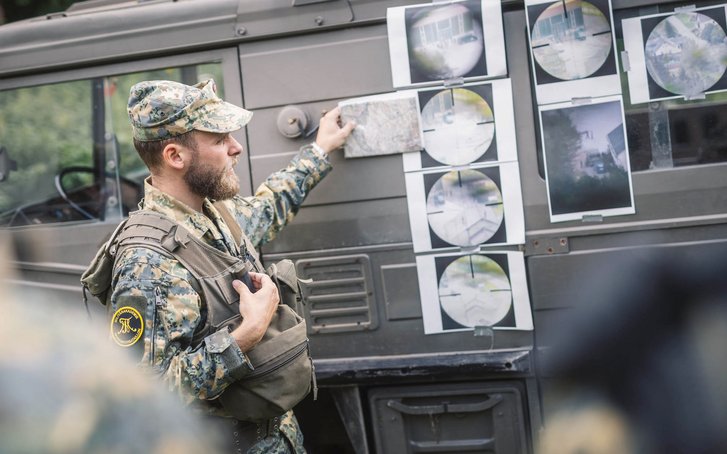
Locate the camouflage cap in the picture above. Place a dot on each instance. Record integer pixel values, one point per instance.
(162, 109)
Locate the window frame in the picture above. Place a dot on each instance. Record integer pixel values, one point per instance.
(226, 57)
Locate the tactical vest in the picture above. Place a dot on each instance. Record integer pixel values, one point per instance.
(283, 369)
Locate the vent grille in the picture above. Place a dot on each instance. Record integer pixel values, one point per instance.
(340, 298)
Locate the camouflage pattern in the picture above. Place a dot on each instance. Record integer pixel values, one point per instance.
(65, 389)
(162, 109)
(279, 445)
(197, 375)
(277, 200)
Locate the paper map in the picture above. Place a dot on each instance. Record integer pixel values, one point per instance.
(385, 124)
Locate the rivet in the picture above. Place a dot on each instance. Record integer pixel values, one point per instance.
(241, 31)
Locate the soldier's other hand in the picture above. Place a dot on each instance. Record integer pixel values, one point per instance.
(257, 309)
(331, 135)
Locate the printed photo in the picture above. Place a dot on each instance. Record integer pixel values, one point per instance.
(465, 208)
(573, 49)
(474, 290)
(680, 54)
(437, 42)
(459, 126)
(470, 124)
(586, 160)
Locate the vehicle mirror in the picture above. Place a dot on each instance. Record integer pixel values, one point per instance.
(6, 164)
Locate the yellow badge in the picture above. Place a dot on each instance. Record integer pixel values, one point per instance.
(127, 326)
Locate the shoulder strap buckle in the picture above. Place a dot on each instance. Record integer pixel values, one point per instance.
(175, 238)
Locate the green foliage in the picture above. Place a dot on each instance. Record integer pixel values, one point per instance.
(48, 128)
(44, 129)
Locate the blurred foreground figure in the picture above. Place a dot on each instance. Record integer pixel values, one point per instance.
(643, 360)
(65, 389)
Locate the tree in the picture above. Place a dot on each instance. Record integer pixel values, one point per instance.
(561, 142)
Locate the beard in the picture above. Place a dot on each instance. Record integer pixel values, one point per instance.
(207, 181)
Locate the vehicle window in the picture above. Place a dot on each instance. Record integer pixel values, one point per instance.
(66, 150)
(44, 130)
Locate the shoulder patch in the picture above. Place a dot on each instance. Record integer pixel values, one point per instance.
(127, 326)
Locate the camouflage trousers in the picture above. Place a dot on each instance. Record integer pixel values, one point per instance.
(280, 435)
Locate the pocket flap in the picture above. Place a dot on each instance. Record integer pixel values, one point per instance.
(284, 271)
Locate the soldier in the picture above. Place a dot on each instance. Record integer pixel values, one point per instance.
(65, 389)
(639, 365)
(182, 134)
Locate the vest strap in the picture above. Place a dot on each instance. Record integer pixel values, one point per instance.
(238, 235)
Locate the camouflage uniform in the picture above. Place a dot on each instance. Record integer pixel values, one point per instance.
(195, 373)
(65, 389)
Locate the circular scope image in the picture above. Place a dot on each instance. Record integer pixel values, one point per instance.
(465, 208)
(686, 53)
(458, 126)
(475, 291)
(445, 42)
(571, 40)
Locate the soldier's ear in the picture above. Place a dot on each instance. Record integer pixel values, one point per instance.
(175, 156)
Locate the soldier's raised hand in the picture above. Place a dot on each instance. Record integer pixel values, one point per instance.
(331, 135)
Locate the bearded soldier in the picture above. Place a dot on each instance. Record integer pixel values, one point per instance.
(182, 134)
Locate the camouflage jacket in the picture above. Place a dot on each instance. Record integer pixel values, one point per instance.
(196, 374)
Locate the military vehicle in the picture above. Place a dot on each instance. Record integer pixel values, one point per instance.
(69, 174)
